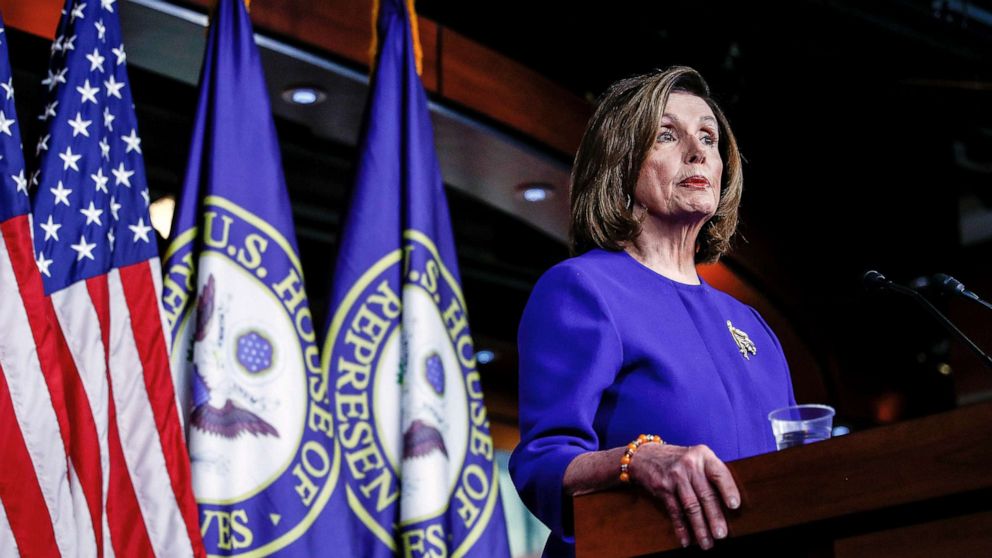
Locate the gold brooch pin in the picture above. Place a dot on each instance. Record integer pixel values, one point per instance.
(744, 343)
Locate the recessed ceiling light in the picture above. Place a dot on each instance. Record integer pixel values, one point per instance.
(303, 95)
(535, 191)
(484, 356)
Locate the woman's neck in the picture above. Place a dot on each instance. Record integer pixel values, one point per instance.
(668, 249)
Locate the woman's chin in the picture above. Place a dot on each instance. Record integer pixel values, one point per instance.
(693, 214)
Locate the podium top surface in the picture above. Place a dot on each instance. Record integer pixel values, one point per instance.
(913, 461)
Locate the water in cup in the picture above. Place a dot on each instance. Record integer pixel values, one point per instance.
(800, 437)
(801, 424)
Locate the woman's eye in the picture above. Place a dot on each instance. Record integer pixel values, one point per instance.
(666, 136)
(708, 140)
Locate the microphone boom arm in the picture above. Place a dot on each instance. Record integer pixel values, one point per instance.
(944, 321)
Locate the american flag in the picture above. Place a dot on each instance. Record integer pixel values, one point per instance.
(98, 257)
(34, 484)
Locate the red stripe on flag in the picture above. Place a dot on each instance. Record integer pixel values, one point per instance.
(27, 512)
(17, 235)
(139, 293)
(128, 532)
(72, 410)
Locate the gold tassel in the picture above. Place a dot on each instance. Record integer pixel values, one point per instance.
(374, 45)
(418, 51)
(248, 5)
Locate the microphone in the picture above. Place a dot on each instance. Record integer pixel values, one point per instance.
(874, 280)
(949, 285)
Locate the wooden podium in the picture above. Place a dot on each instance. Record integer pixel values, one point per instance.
(918, 488)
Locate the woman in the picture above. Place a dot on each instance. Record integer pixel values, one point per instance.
(625, 339)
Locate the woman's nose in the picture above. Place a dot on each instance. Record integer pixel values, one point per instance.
(694, 151)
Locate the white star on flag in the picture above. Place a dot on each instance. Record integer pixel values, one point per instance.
(44, 264)
(51, 229)
(140, 230)
(42, 144)
(113, 87)
(104, 149)
(69, 159)
(96, 60)
(9, 88)
(119, 52)
(101, 29)
(77, 12)
(100, 181)
(122, 175)
(107, 5)
(80, 126)
(56, 46)
(54, 79)
(114, 208)
(83, 249)
(5, 124)
(68, 45)
(133, 141)
(148, 198)
(61, 194)
(49, 111)
(110, 238)
(92, 214)
(108, 119)
(87, 92)
(22, 183)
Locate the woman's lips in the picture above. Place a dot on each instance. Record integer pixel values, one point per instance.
(695, 182)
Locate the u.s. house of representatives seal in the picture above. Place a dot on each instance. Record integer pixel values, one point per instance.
(416, 452)
(260, 426)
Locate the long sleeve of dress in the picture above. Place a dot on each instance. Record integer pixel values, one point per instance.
(570, 352)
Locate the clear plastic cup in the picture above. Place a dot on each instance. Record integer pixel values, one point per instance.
(801, 424)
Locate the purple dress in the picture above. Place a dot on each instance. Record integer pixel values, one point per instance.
(609, 349)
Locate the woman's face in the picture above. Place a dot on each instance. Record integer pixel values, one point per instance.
(679, 181)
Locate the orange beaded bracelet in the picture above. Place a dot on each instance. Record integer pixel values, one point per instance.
(631, 449)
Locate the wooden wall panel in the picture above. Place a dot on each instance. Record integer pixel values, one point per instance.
(39, 17)
(340, 27)
(484, 80)
(455, 68)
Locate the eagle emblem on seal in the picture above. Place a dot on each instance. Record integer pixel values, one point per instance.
(227, 419)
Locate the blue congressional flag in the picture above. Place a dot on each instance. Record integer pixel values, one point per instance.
(259, 424)
(417, 455)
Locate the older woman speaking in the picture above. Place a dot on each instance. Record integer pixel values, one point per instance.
(632, 368)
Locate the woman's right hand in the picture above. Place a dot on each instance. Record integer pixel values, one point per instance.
(691, 482)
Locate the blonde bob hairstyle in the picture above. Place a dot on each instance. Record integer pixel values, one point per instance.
(615, 144)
